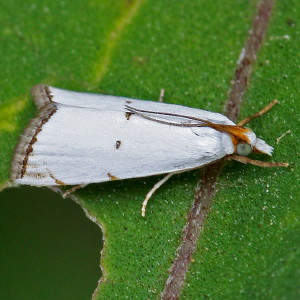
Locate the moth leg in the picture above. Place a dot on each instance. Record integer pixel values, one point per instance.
(247, 160)
(155, 188)
(282, 136)
(258, 114)
(161, 95)
(73, 189)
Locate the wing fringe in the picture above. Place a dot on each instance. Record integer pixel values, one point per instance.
(41, 95)
(42, 98)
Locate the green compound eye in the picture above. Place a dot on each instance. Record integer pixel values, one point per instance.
(243, 149)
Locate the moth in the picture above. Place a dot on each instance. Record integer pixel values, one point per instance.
(81, 138)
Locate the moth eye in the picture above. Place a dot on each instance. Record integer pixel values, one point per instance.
(243, 149)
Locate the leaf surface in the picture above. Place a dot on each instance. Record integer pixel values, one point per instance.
(249, 246)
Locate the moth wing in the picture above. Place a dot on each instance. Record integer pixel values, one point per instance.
(44, 94)
(81, 145)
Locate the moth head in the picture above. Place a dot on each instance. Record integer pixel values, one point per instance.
(243, 141)
(251, 143)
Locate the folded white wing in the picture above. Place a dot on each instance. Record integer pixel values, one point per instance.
(81, 138)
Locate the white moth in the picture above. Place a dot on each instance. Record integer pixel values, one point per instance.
(81, 138)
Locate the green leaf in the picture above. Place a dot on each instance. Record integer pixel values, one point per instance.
(249, 247)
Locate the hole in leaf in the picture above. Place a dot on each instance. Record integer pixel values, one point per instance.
(49, 248)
